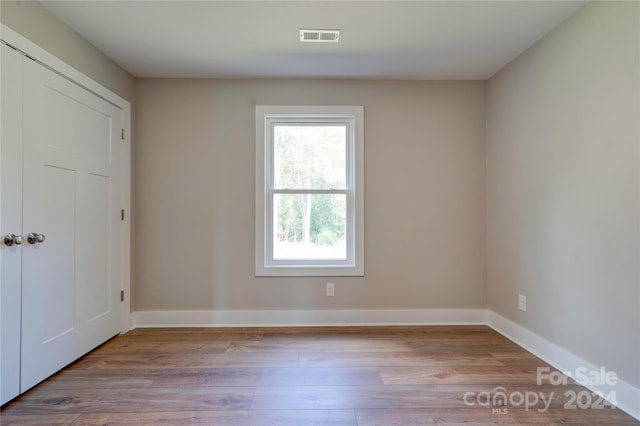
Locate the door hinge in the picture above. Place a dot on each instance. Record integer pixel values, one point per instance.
(122, 295)
(122, 214)
(122, 134)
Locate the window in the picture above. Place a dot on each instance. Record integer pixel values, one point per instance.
(309, 191)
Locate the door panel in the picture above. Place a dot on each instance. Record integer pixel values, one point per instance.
(53, 261)
(71, 281)
(95, 259)
(91, 139)
(10, 221)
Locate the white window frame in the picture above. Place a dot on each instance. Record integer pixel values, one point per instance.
(266, 117)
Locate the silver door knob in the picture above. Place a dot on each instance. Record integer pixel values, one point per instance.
(34, 238)
(11, 239)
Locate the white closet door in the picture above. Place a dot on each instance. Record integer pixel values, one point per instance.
(10, 222)
(71, 280)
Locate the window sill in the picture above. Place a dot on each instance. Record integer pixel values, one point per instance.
(309, 271)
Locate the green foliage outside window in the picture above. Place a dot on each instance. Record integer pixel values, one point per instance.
(310, 157)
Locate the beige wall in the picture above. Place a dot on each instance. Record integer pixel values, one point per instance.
(34, 22)
(562, 186)
(424, 197)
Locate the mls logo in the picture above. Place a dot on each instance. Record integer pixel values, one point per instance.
(502, 410)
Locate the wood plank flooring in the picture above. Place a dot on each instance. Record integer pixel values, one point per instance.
(351, 376)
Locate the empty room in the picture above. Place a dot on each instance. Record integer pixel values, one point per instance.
(354, 213)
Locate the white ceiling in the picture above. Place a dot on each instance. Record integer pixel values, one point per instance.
(431, 40)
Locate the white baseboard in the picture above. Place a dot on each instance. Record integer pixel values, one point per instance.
(311, 318)
(128, 322)
(627, 395)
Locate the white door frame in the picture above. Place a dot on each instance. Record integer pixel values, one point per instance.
(40, 55)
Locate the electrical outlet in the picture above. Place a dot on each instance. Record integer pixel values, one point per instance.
(522, 302)
(331, 289)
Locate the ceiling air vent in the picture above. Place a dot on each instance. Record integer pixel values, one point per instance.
(320, 36)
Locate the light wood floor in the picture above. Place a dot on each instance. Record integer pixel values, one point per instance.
(299, 376)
